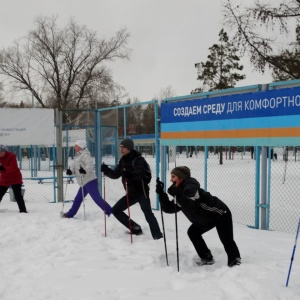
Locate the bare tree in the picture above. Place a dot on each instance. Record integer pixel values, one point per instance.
(165, 93)
(61, 66)
(134, 117)
(290, 59)
(257, 29)
(1, 95)
(149, 118)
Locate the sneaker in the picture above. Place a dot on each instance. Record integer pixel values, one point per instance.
(158, 236)
(236, 262)
(205, 262)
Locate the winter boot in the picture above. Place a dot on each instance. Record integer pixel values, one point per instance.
(236, 262)
(158, 236)
(206, 259)
(137, 230)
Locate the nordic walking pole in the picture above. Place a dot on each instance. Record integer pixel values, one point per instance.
(64, 198)
(292, 258)
(129, 219)
(104, 205)
(285, 166)
(163, 225)
(176, 228)
(83, 197)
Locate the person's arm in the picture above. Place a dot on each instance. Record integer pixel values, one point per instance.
(70, 170)
(113, 174)
(166, 205)
(87, 163)
(187, 198)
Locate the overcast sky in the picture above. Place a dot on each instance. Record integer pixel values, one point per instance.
(167, 37)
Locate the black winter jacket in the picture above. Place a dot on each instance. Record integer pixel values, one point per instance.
(136, 185)
(199, 206)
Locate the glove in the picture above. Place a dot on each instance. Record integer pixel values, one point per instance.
(104, 168)
(2, 168)
(159, 187)
(126, 174)
(69, 172)
(82, 170)
(172, 190)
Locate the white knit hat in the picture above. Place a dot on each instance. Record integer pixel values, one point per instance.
(81, 144)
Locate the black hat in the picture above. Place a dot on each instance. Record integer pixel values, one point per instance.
(182, 172)
(127, 143)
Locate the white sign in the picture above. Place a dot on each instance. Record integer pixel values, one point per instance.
(27, 126)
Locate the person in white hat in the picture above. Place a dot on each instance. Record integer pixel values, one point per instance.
(83, 169)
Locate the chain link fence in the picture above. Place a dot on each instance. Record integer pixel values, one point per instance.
(229, 173)
(138, 122)
(37, 165)
(284, 189)
(234, 181)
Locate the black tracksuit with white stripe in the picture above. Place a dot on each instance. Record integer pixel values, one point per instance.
(205, 212)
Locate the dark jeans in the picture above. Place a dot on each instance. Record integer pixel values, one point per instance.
(92, 189)
(18, 195)
(121, 205)
(225, 231)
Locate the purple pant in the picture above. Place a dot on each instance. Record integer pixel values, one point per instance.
(92, 189)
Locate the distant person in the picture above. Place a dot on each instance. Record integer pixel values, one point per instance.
(203, 210)
(83, 169)
(252, 151)
(133, 177)
(273, 155)
(191, 150)
(10, 176)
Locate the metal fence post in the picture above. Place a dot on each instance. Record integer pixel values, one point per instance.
(59, 164)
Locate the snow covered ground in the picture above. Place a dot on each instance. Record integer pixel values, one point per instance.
(44, 257)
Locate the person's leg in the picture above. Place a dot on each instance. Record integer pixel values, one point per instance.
(118, 211)
(92, 189)
(150, 217)
(225, 232)
(3, 190)
(77, 202)
(17, 190)
(195, 235)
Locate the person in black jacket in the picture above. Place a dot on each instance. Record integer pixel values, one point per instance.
(133, 179)
(203, 210)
